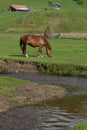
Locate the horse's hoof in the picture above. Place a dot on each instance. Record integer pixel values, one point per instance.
(26, 55)
(40, 56)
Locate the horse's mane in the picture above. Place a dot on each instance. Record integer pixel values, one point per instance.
(47, 43)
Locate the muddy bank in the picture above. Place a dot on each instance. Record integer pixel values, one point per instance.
(10, 66)
(30, 94)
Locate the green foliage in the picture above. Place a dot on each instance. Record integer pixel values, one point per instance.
(80, 2)
(63, 69)
(80, 126)
(50, 3)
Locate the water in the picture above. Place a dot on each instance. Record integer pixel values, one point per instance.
(54, 115)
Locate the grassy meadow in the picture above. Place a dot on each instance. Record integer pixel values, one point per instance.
(4, 5)
(70, 18)
(67, 54)
(64, 51)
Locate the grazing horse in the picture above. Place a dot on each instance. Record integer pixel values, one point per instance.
(34, 41)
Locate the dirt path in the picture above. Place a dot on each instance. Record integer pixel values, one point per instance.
(75, 35)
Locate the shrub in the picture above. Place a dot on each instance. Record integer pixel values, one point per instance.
(80, 2)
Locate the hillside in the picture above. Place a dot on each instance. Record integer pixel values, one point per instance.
(66, 4)
(72, 17)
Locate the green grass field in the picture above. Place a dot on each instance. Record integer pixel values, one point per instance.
(64, 51)
(4, 5)
(70, 18)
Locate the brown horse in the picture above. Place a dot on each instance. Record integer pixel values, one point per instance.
(34, 41)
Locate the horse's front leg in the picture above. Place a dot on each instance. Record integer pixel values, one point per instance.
(24, 51)
(40, 51)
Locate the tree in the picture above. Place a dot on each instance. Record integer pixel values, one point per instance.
(50, 3)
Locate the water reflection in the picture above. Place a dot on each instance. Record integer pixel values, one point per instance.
(54, 115)
(64, 113)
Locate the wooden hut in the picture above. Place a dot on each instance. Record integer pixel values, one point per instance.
(18, 8)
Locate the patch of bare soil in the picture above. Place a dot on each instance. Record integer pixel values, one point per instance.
(17, 66)
(30, 94)
(75, 35)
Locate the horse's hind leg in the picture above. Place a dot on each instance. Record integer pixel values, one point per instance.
(24, 51)
(40, 51)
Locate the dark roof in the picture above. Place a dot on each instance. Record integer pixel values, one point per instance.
(56, 5)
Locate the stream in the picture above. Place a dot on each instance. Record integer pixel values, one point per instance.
(60, 114)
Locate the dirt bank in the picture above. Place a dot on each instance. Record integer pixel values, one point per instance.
(30, 94)
(17, 66)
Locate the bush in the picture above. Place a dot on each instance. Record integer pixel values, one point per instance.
(80, 2)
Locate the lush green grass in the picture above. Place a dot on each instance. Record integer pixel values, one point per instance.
(8, 84)
(80, 126)
(69, 4)
(64, 51)
(69, 56)
(70, 18)
(8, 19)
(58, 21)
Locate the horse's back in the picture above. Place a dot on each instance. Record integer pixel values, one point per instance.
(34, 40)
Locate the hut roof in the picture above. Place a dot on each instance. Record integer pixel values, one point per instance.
(20, 7)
